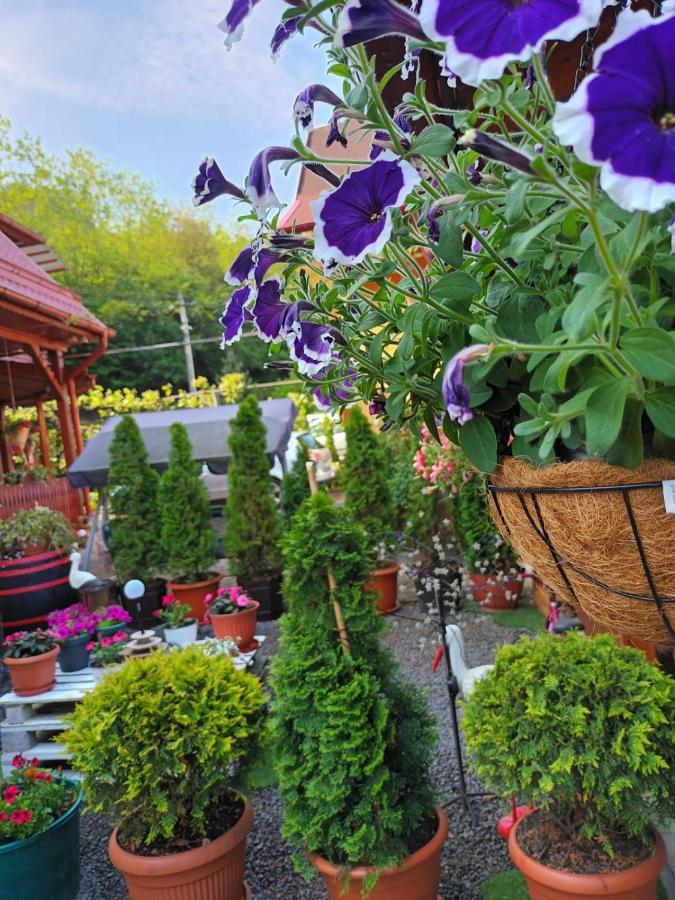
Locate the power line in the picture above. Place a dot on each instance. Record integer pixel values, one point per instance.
(167, 344)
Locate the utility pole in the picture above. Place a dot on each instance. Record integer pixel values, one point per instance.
(187, 343)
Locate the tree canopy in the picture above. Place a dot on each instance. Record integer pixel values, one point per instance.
(128, 254)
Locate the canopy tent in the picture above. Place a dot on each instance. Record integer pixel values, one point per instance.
(209, 431)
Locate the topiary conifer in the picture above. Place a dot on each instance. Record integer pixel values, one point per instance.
(349, 737)
(132, 492)
(252, 527)
(295, 486)
(187, 535)
(366, 476)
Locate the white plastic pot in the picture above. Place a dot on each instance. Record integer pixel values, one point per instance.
(181, 637)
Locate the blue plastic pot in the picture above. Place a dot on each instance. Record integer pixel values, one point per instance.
(45, 865)
(74, 654)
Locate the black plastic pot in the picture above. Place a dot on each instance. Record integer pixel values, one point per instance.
(74, 654)
(267, 592)
(144, 619)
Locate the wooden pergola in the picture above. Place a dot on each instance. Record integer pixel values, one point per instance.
(40, 321)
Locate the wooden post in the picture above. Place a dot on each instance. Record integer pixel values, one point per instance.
(332, 586)
(75, 416)
(6, 462)
(44, 437)
(65, 428)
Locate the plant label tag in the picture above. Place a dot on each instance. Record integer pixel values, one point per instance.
(669, 496)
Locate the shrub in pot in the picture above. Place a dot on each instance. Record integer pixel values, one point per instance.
(581, 729)
(367, 487)
(163, 744)
(233, 614)
(132, 493)
(188, 538)
(39, 833)
(496, 581)
(252, 519)
(349, 737)
(72, 628)
(180, 626)
(31, 657)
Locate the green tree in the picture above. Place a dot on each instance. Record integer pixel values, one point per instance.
(132, 491)
(188, 537)
(252, 528)
(352, 742)
(366, 476)
(295, 485)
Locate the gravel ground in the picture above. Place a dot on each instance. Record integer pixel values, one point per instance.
(471, 853)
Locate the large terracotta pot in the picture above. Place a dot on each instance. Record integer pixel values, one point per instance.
(33, 674)
(193, 594)
(212, 872)
(416, 878)
(384, 582)
(544, 883)
(495, 594)
(238, 625)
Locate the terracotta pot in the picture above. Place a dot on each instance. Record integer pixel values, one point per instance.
(415, 879)
(384, 582)
(239, 625)
(34, 674)
(266, 591)
(495, 595)
(193, 594)
(212, 872)
(544, 883)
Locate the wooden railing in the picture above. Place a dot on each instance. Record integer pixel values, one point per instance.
(56, 494)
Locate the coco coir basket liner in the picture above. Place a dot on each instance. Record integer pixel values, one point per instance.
(598, 535)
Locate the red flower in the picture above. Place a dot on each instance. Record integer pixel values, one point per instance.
(21, 816)
(3, 816)
(35, 761)
(11, 793)
(18, 761)
(43, 776)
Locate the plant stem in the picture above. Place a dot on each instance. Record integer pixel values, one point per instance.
(494, 256)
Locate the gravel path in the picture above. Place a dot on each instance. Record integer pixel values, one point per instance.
(470, 854)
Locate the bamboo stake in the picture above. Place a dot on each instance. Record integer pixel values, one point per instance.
(332, 586)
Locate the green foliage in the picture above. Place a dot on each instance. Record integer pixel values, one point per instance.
(483, 548)
(23, 644)
(294, 486)
(251, 530)
(365, 477)
(38, 792)
(132, 491)
(188, 538)
(580, 727)
(352, 742)
(507, 885)
(40, 527)
(158, 739)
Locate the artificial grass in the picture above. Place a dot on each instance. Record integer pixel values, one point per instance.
(510, 885)
(523, 616)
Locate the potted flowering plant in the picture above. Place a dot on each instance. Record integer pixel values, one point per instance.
(105, 655)
(30, 657)
(72, 628)
(581, 729)
(180, 626)
(39, 833)
(233, 614)
(110, 619)
(172, 787)
(537, 329)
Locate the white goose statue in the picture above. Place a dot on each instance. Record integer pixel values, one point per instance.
(76, 577)
(466, 677)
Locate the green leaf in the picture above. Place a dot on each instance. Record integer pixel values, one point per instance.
(652, 352)
(661, 409)
(435, 140)
(517, 316)
(520, 242)
(628, 450)
(450, 243)
(455, 286)
(515, 200)
(478, 440)
(604, 414)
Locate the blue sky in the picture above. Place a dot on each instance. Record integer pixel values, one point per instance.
(148, 84)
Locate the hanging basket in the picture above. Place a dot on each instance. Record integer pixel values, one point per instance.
(598, 535)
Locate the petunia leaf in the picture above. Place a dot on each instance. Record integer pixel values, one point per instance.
(455, 286)
(604, 414)
(628, 449)
(652, 352)
(478, 440)
(515, 200)
(450, 243)
(661, 409)
(435, 140)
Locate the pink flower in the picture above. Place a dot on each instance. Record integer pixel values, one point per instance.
(220, 592)
(242, 601)
(168, 599)
(11, 793)
(208, 599)
(119, 636)
(21, 817)
(18, 761)
(90, 646)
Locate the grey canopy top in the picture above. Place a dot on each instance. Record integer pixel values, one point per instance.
(209, 431)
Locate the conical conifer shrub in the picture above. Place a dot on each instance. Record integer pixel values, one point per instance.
(366, 476)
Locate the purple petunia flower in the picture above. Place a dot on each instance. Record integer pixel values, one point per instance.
(235, 314)
(355, 219)
(233, 23)
(252, 263)
(303, 108)
(476, 245)
(209, 183)
(259, 188)
(482, 38)
(411, 61)
(622, 117)
(311, 346)
(456, 396)
(403, 125)
(283, 32)
(268, 311)
(448, 73)
(365, 20)
(327, 395)
(334, 133)
(491, 149)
